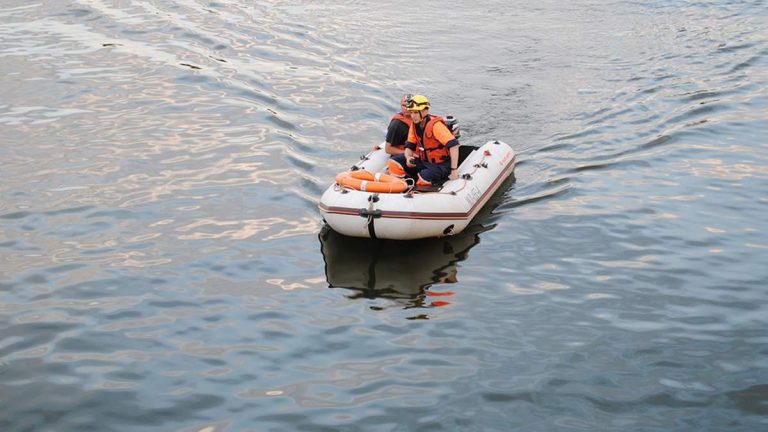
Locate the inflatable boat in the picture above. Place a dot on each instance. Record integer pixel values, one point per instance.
(365, 202)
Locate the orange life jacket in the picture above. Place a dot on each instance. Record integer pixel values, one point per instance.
(432, 149)
(403, 118)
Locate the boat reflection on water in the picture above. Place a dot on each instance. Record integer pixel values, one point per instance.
(412, 273)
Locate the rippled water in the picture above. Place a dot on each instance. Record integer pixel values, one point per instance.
(163, 265)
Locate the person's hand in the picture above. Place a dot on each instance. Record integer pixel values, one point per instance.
(411, 162)
(376, 147)
(454, 175)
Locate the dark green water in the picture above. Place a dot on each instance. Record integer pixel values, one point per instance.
(163, 265)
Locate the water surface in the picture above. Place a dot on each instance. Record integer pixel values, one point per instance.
(163, 265)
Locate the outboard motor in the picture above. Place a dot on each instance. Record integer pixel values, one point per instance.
(453, 125)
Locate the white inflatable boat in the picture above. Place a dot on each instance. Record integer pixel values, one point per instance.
(414, 214)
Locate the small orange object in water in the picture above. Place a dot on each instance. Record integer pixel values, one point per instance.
(440, 293)
(440, 303)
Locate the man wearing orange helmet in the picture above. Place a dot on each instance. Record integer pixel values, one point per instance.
(431, 152)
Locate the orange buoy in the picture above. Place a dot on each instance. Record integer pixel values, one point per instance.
(367, 181)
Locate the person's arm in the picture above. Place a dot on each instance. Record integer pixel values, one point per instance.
(409, 156)
(392, 150)
(454, 152)
(410, 146)
(452, 144)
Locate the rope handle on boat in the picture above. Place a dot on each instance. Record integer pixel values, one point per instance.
(411, 184)
(370, 213)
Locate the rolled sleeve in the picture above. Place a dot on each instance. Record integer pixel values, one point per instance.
(452, 143)
(443, 134)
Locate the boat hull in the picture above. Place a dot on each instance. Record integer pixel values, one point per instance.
(415, 215)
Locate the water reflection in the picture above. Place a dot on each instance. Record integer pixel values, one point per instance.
(412, 273)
